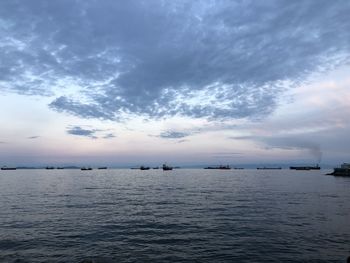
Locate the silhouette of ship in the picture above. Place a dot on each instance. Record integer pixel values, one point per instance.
(269, 168)
(102, 168)
(220, 167)
(49, 167)
(86, 168)
(305, 168)
(166, 167)
(344, 170)
(144, 168)
(5, 168)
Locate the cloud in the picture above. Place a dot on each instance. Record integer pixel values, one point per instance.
(305, 141)
(173, 135)
(228, 153)
(109, 136)
(202, 59)
(290, 143)
(87, 131)
(33, 137)
(79, 131)
(88, 111)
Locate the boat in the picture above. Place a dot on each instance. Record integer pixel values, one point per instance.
(86, 168)
(269, 168)
(144, 168)
(60, 168)
(220, 167)
(5, 168)
(102, 168)
(49, 167)
(166, 167)
(344, 170)
(305, 168)
(155, 168)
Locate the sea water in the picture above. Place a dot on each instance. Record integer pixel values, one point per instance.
(184, 215)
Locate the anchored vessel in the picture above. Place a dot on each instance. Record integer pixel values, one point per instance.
(305, 168)
(5, 168)
(344, 170)
(166, 167)
(86, 169)
(269, 168)
(220, 167)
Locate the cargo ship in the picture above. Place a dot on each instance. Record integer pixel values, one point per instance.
(220, 167)
(5, 168)
(305, 168)
(166, 167)
(269, 168)
(86, 169)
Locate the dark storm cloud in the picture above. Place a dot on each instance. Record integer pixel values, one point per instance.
(214, 59)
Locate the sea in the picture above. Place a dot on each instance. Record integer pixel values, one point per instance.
(184, 215)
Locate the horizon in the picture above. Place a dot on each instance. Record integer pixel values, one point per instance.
(199, 83)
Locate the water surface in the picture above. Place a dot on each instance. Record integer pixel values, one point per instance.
(185, 215)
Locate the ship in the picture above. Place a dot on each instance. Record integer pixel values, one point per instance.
(102, 168)
(5, 168)
(86, 168)
(344, 170)
(49, 167)
(220, 167)
(305, 168)
(144, 168)
(269, 168)
(166, 167)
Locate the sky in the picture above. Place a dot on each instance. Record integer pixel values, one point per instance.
(185, 82)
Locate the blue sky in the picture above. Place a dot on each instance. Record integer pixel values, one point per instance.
(189, 82)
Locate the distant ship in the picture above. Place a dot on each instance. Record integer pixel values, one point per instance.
(155, 168)
(5, 168)
(102, 168)
(269, 168)
(49, 167)
(220, 167)
(305, 168)
(86, 169)
(60, 168)
(344, 170)
(167, 168)
(144, 168)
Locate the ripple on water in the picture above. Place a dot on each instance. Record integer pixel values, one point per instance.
(183, 216)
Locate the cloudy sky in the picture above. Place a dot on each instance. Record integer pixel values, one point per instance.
(188, 82)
